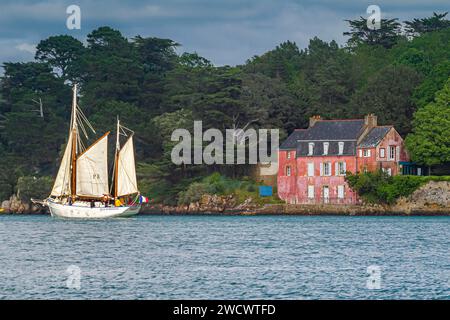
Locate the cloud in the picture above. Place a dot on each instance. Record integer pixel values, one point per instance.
(224, 31)
(26, 47)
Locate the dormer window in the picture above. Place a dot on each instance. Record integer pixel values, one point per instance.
(341, 148)
(325, 148)
(310, 148)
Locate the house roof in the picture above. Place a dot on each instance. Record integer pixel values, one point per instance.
(334, 130)
(374, 137)
(326, 130)
(333, 148)
(291, 142)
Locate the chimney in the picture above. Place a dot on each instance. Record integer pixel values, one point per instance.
(313, 120)
(370, 120)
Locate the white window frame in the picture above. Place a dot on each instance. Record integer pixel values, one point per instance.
(310, 148)
(310, 168)
(360, 153)
(341, 192)
(338, 168)
(326, 165)
(288, 155)
(366, 153)
(326, 146)
(382, 153)
(341, 148)
(311, 192)
(327, 198)
(392, 151)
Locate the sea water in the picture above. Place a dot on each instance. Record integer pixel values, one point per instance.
(225, 257)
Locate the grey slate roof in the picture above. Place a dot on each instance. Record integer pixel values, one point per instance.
(374, 137)
(326, 130)
(333, 149)
(334, 130)
(291, 142)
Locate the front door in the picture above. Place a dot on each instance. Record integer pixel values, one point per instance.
(326, 194)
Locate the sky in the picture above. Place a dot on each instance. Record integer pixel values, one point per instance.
(226, 32)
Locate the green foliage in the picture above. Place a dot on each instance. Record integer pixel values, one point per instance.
(429, 143)
(63, 53)
(388, 95)
(217, 184)
(387, 35)
(378, 187)
(34, 187)
(421, 26)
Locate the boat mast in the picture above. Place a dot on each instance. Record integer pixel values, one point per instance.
(73, 186)
(116, 167)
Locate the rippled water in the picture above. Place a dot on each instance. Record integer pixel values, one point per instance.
(198, 257)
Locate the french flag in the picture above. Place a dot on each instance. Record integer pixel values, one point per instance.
(143, 199)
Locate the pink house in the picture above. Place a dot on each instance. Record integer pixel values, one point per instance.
(313, 162)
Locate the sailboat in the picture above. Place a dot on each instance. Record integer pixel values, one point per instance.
(81, 188)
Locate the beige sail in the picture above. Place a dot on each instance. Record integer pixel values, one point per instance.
(92, 170)
(126, 170)
(62, 182)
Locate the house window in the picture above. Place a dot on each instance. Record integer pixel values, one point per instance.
(340, 168)
(311, 169)
(288, 171)
(325, 148)
(341, 148)
(360, 153)
(366, 153)
(340, 191)
(311, 192)
(289, 155)
(326, 169)
(391, 153)
(326, 194)
(310, 148)
(382, 152)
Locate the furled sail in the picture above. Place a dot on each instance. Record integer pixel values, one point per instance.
(92, 170)
(126, 170)
(62, 182)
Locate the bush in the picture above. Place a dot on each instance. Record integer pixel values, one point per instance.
(216, 184)
(378, 187)
(34, 187)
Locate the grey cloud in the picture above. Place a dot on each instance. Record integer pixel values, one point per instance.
(224, 31)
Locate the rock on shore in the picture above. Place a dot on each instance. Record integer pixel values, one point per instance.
(18, 206)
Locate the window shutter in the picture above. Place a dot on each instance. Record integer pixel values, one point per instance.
(321, 169)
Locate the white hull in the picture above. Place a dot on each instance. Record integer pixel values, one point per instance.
(80, 211)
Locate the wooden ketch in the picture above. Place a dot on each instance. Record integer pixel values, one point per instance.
(81, 188)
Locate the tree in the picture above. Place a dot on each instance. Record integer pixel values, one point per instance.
(387, 35)
(429, 143)
(282, 62)
(24, 132)
(436, 22)
(111, 70)
(63, 53)
(388, 95)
